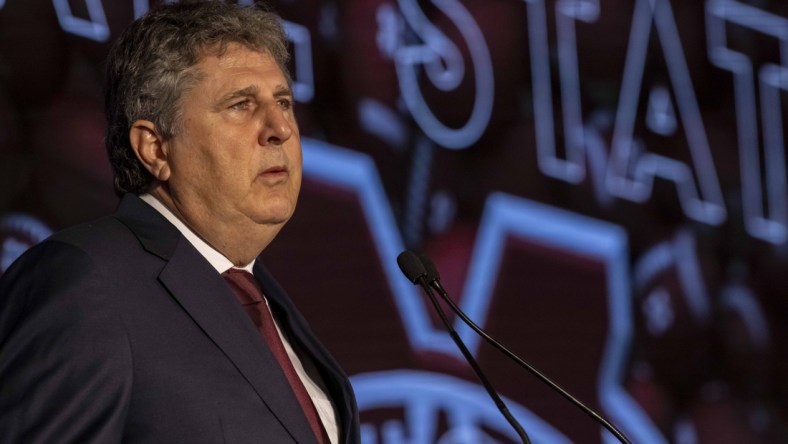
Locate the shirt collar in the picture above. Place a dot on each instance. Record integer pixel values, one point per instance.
(212, 255)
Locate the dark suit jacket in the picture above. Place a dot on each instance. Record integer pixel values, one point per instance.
(120, 331)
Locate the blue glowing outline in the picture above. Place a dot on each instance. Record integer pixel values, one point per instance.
(383, 122)
(25, 224)
(573, 168)
(436, 49)
(304, 81)
(582, 140)
(771, 227)
(690, 276)
(597, 157)
(140, 8)
(503, 215)
(680, 253)
(660, 114)
(94, 29)
(741, 299)
(625, 158)
(357, 172)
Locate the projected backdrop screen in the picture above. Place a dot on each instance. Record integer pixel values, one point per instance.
(601, 183)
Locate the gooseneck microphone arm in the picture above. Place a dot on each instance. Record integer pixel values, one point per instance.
(433, 278)
(414, 270)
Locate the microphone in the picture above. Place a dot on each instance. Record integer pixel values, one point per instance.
(432, 277)
(414, 269)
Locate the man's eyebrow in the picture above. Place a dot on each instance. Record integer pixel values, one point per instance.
(252, 91)
(249, 91)
(282, 91)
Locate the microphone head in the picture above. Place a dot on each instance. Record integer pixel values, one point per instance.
(411, 266)
(432, 271)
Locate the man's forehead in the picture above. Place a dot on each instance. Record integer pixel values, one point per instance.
(241, 68)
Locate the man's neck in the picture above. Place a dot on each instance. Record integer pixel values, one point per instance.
(238, 244)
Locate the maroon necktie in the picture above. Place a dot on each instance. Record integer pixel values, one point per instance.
(249, 295)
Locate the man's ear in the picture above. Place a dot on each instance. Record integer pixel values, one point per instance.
(149, 148)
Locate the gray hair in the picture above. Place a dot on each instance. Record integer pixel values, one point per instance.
(152, 63)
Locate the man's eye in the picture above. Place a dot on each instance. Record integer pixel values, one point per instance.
(285, 103)
(240, 106)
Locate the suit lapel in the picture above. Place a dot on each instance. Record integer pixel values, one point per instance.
(205, 296)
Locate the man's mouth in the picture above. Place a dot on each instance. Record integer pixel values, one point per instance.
(275, 172)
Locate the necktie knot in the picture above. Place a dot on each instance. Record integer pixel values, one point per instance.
(244, 286)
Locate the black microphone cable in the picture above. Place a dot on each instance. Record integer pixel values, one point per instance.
(414, 270)
(433, 277)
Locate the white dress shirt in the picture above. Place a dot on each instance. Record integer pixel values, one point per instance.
(309, 376)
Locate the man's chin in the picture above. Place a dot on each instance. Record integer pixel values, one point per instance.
(273, 220)
(275, 210)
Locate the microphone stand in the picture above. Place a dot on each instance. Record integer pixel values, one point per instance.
(474, 365)
(588, 410)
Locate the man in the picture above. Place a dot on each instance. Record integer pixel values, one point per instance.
(145, 326)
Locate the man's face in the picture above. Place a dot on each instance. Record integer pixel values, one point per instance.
(236, 155)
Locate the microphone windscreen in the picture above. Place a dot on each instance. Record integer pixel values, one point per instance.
(430, 268)
(411, 265)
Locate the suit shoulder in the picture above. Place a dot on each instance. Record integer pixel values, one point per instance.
(93, 236)
(70, 268)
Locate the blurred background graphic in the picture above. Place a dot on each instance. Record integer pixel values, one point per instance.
(602, 184)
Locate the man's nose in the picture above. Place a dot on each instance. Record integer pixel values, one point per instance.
(277, 127)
